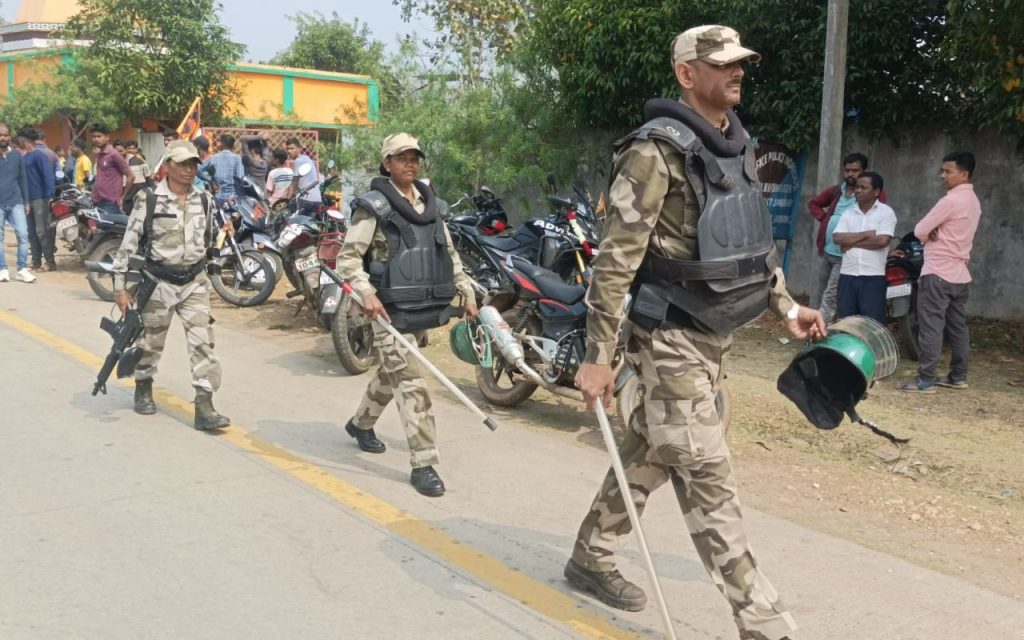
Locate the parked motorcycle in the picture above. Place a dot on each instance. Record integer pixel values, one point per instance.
(550, 242)
(544, 345)
(104, 233)
(64, 208)
(257, 226)
(244, 278)
(902, 270)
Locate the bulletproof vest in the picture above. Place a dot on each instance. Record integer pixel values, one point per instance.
(417, 282)
(730, 283)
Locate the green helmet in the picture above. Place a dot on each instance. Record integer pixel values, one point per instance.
(827, 379)
(470, 343)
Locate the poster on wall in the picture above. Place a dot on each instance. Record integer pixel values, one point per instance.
(781, 172)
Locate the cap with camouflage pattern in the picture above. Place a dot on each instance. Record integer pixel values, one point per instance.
(711, 43)
(182, 151)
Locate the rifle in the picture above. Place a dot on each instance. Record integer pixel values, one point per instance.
(127, 330)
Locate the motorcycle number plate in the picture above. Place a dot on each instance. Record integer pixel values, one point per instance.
(305, 264)
(898, 291)
(70, 221)
(324, 278)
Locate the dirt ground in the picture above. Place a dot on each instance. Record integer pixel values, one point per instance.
(952, 500)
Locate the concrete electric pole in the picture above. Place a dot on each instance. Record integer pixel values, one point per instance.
(830, 141)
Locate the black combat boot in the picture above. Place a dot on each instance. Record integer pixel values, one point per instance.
(144, 404)
(365, 438)
(427, 482)
(206, 416)
(609, 587)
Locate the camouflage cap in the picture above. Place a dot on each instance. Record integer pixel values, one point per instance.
(711, 43)
(182, 151)
(397, 143)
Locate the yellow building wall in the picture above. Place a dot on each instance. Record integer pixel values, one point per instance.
(260, 96)
(267, 95)
(320, 101)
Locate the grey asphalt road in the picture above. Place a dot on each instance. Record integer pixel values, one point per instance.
(114, 525)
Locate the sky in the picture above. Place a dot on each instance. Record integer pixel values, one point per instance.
(267, 30)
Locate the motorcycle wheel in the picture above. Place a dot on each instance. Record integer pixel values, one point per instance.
(231, 286)
(352, 337)
(102, 284)
(276, 263)
(908, 330)
(501, 385)
(294, 279)
(630, 397)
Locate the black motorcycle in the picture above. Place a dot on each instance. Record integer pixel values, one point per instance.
(244, 278)
(98, 242)
(551, 242)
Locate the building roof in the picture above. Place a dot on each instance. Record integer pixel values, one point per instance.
(46, 11)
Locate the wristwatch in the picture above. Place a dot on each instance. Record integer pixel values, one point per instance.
(793, 312)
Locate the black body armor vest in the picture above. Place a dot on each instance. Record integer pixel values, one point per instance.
(730, 284)
(417, 282)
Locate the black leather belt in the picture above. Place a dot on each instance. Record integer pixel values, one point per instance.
(178, 276)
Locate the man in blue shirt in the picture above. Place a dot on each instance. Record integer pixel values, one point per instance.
(13, 196)
(42, 182)
(227, 168)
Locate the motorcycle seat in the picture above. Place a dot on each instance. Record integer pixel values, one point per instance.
(113, 219)
(549, 284)
(504, 244)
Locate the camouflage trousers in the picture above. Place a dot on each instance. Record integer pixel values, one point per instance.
(676, 434)
(398, 376)
(191, 303)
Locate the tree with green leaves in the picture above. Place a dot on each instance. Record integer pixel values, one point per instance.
(612, 55)
(497, 132)
(331, 44)
(985, 47)
(65, 95)
(156, 56)
(474, 33)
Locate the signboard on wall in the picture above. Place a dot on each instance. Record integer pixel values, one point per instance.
(781, 172)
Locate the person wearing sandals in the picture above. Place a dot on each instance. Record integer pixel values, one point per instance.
(948, 235)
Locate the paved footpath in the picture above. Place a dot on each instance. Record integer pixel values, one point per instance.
(114, 525)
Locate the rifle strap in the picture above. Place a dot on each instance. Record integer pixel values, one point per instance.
(147, 225)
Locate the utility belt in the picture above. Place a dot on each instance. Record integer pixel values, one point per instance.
(655, 303)
(178, 276)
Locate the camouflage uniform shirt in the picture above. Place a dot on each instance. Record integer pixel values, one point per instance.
(180, 235)
(651, 203)
(365, 237)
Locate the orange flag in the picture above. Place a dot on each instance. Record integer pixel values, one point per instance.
(190, 127)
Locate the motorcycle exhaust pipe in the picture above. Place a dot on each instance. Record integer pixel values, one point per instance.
(511, 350)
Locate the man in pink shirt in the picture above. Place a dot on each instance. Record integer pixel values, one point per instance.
(948, 235)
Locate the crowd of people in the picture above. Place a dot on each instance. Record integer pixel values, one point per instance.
(855, 232)
(30, 173)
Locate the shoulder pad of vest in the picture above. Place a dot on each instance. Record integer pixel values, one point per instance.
(373, 201)
(670, 130)
(442, 208)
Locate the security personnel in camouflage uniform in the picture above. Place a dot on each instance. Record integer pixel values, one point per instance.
(399, 258)
(172, 226)
(689, 236)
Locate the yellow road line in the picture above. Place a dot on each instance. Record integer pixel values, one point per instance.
(514, 584)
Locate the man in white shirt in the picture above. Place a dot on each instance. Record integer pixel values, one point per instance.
(279, 180)
(864, 234)
(307, 186)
